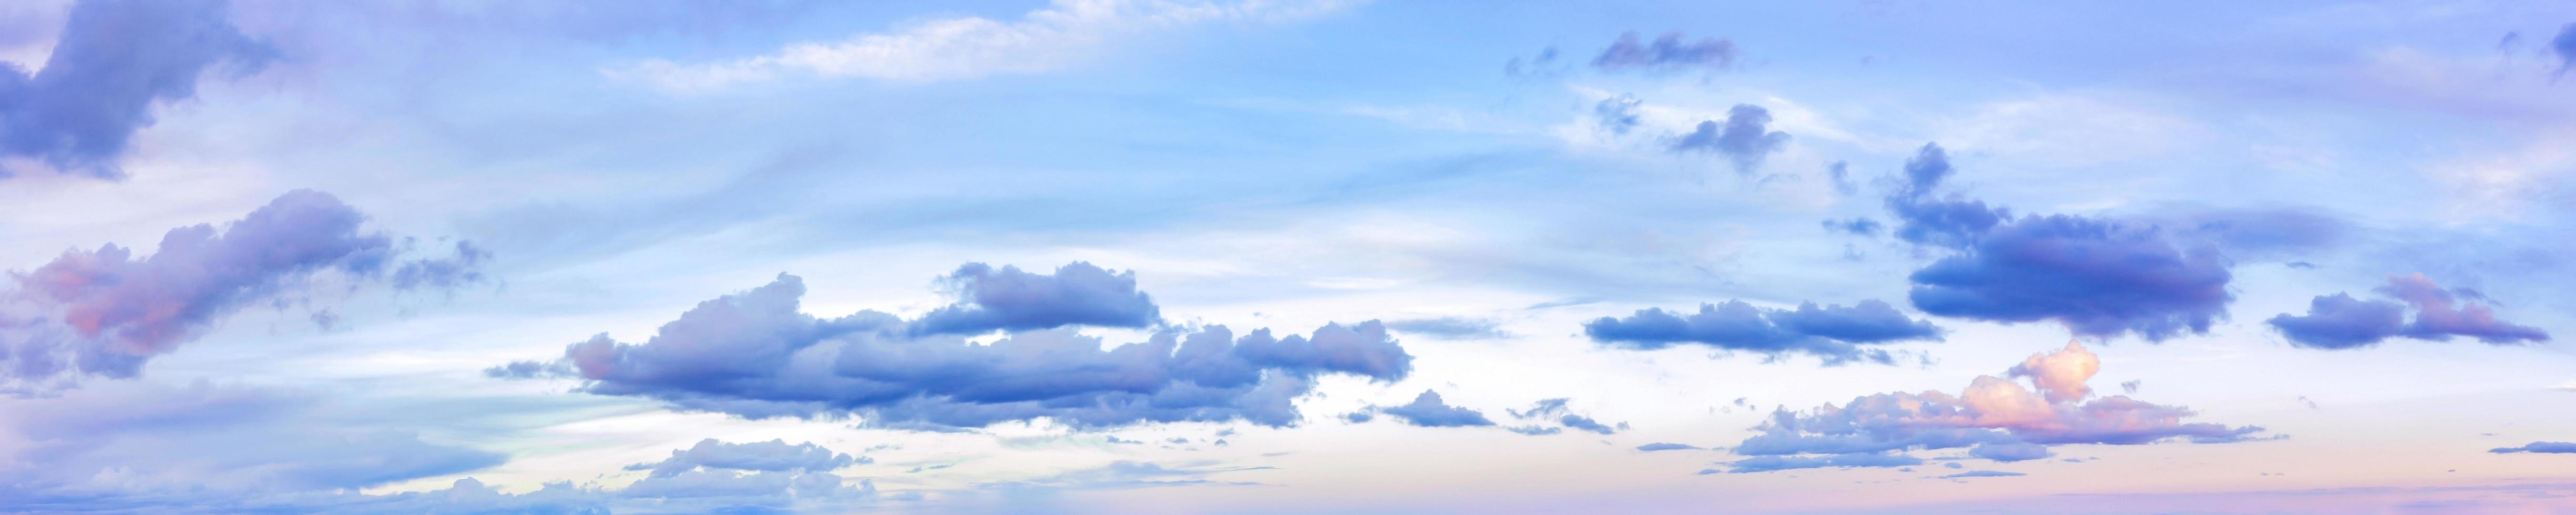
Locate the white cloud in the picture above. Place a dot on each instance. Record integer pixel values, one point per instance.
(1066, 32)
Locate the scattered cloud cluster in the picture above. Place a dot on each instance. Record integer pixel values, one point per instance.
(2099, 277)
(1994, 418)
(754, 354)
(115, 59)
(106, 312)
(2340, 321)
(1834, 333)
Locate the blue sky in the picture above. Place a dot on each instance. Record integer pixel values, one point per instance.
(1285, 256)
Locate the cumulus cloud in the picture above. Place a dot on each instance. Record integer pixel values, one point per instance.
(1669, 52)
(1427, 410)
(2099, 277)
(1834, 333)
(115, 59)
(2340, 321)
(2539, 447)
(1012, 300)
(1745, 138)
(106, 311)
(754, 354)
(1997, 418)
(1062, 34)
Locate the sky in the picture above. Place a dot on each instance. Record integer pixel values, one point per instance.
(1286, 256)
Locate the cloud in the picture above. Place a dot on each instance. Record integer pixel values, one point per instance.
(1011, 300)
(1666, 446)
(1133, 474)
(2539, 447)
(1744, 138)
(2340, 321)
(1928, 220)
(1861, 226)
(105, 311)
(1998, 418)
(2565, 47)
(1840, 174)
(770, 456)
(755, 355)
(1450, 328)
(1983, 473)
(1833, 332)
(116, 58)
(1427, 410)
(1062, 34)
(1586, 424)
(1666, 53)
(1618, 114)
(2098, 277)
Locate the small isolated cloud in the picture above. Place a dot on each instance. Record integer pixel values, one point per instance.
(1617, 114)
(1744, 138)
(1861, 226)
(1008, 299)
(106, 312)
(1834, 333)
(1983, 473)
(755, 354)
(1669, 52)
(2538, 447)
(115, 60)
(2340, 321)
(1840, 173)
(1997, 418)
(1062, 34)
(771, 456)
(1450, 328)
(2099, 277)
(1666, 446)
(1555, 410)
(1427, 410)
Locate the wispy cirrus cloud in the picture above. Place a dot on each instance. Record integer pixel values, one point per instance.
(1062, 34)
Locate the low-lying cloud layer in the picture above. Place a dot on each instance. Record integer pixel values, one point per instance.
(1995, 419)
(754, 354)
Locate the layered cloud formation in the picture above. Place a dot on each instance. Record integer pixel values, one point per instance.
(2099, 277)
(106, 311)
(2340, 321)
(1834, 333)
(754, 354)
(115, 60)
(1994, 419)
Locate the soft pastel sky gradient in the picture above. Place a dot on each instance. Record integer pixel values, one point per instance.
(406, 200)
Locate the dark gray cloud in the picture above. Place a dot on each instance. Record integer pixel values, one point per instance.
(1668, 52)
(1450, 328)
(115, 60)
(2539, 447)
(1833, 333)
(106, 311)
(754, 354)
(1996, 418)
(1427, 410)
(2340, 321)
(1012, 300)
(1745, 138)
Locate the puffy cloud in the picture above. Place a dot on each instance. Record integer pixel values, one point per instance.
(1833, 333)
(1997, 418)
(1450, 328)
(754, 354)
(1744, 139)
(2340, 321)
(769, 456)
(1666, 446)
(1668, 52)
(1929, 220)
(1013, 300)
(2539, 447)
(2099, 277)
(105, 311)
(115, 59)
(1427, 410)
